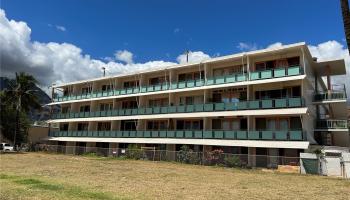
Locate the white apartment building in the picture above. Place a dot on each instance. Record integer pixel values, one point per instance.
(276, 102)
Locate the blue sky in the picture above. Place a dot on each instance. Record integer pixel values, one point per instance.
(161, 30)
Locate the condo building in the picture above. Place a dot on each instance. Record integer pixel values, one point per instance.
(277, 102)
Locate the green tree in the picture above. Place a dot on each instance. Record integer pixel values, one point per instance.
(17, 100)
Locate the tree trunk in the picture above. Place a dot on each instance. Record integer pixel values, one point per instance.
(346, 20)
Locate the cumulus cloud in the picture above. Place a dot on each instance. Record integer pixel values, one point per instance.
(247, 46)
(124, 56)
(56, 62)
(193, 57)
(61, 28)
(274, 45)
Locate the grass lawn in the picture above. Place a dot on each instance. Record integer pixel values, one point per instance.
(50, 176)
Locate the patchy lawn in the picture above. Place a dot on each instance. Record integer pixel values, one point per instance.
(51, 176)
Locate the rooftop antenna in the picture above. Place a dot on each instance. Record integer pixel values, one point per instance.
(104, 71)
(187, 52)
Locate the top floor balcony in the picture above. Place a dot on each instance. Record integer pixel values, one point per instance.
(336, 93)
(214, 80)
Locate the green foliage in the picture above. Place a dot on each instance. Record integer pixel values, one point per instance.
(16, 101)
(215, 157)
(133, 152)
(232, 161)
(187, 155)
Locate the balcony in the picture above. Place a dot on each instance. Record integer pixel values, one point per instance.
(275, 73)
(336, 93)
(331, 124)
(209, 107)
(285, 135)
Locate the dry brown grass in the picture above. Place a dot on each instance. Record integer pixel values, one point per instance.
(50, 176)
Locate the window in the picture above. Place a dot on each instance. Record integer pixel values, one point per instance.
(229, 95)
(279, 63)
(158, 80)
(83, 126)
(191, 100)
(295, 123)
(237, 69)
(129, 104)
(228, 124)
(106, 106)
(104, 126)
(157, 125)
(64, 127)
(130, 84)
(284, 123)
(189, 124)
(85, 90)
(106, 87)
(85, 108)
(191, 76)
(65, 109)
(158, 102)
(128, 125)
(277, 94)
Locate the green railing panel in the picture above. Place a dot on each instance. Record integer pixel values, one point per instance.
(199, 108)
(220, 80)
(164, 110)
(135, 111)
(280, 103)
(129, 90)
(165, 86)
(230, 106)
(126, 134)
(254, 75)
(143, 89)
(132, 134)
(110, 93)
(281, 135)
(241, 135)
(295, 102)
(181, 85)
(218, 134)
(207, 134)
(154, 133)
(266, 74)
(95, 133)
(242, 105)
(229, 134)
(121, 112)
(90, 134)
(267, 135)
(295, 135)
(189, 108)
(172, 109)
(171, 134)
(128, 111)
(157, 87)
(208, 107)
(293, 71)
(199, 83)
(266, 103)
(279, 72)
(156, 110)
(173, 86)
(210, 81)
(150, 88)
(162, 134)
(241, 77)
(188, 134)
(149, 111)
(116, 92)
(198, 134)
(219, 106)
(230, 79)
(190, 83)
(179, 134)
(254, 104)
(103, 113)
(147, 133)
(253, 135)
(181, 109)
(139, 134)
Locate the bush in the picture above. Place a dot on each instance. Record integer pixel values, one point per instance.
(133, 152)
(188, 156)
(215, 157)
(232, 161)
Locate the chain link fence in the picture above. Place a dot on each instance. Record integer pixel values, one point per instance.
(185, 155)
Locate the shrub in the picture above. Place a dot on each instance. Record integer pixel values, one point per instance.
(187, 155)
(215, 157)
(133, 152)
(232, 161)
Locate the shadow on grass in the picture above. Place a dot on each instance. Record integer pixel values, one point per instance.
(70, 191)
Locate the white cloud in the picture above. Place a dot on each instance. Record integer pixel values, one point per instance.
(195, 56)
(125, 56)
(176, 30)
(247, 46)
(61, 28)
(56, 62)
(275, 45)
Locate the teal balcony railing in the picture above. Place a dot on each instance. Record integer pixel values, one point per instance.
(276, 73)
(232, 78)
(209, 107)
(332, 124)
(287, 135)
(328, 96)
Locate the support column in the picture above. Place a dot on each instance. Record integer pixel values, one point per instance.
(170, 154)
(251, 156)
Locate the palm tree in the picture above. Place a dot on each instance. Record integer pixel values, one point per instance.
(21, 96)
(346, 20)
